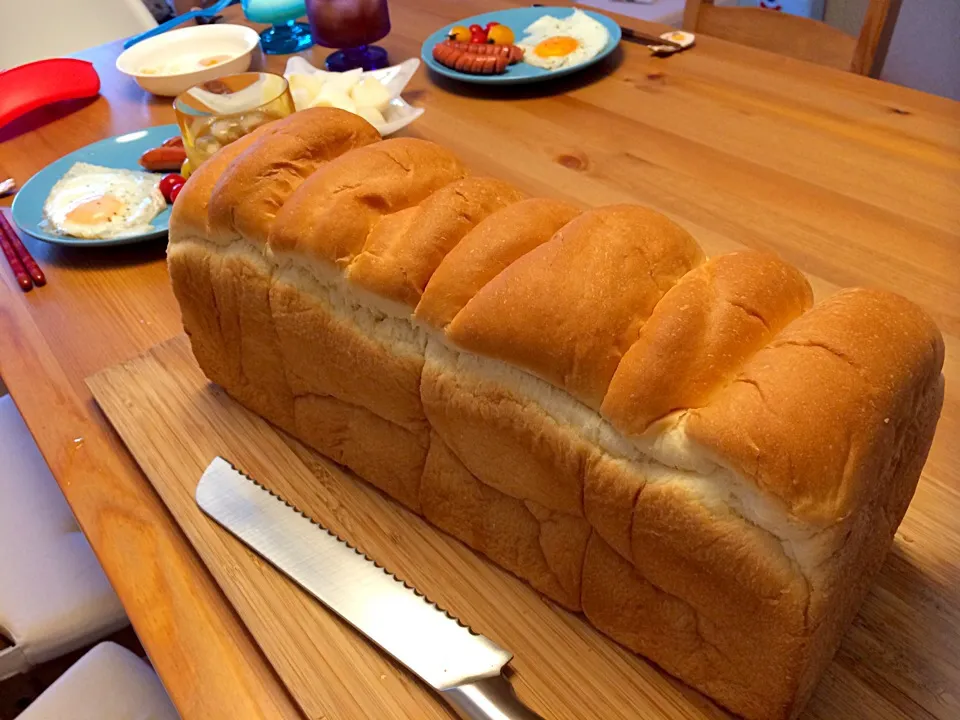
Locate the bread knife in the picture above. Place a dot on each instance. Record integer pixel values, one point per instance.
(463, 667)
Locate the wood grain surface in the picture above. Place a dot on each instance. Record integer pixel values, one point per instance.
(174, 422)
(855, 181)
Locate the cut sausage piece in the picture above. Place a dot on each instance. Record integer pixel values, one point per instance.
(476, 58)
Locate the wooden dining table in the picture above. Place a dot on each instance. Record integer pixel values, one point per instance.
(855, 181)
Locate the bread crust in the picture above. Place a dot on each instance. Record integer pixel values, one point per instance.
(708, 325)
(405, 248)
(231, 201)
(542, 546)
(331, 215)
(255, 185)
(810, 416)
(189, 218)
(494, 244)
(569, 309)
(679, 448)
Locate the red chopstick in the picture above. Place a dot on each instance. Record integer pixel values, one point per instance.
(13, 259)
(28, 266)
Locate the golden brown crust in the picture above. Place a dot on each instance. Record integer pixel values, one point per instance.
(190, 265)
(189, 216)
(493, 432)
(310, 327)
(242, 283)
(840, 590)
(750, 666)
(543, 547)
(715, 602)
(501, 239)
(253, 188)
(330, 216)
(610, 491)
(811, 417)
(700, 335)
(572, 307)
(731, 545)
(405, 248)
(384, 454)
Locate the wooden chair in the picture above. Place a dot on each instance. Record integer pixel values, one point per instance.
(799, 37)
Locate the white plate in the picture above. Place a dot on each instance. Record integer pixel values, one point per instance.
(399, 113)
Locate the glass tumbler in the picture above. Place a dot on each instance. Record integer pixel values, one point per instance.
(285, 35)
(351, 25)
(217, 112)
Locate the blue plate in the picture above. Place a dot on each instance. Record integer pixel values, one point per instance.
(122, 152)
(517, 19)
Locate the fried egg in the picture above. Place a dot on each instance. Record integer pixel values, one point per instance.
(553, 43)
(91, 201)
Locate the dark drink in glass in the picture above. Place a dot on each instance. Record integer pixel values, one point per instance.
(351, 25)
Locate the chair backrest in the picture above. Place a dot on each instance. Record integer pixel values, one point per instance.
(799, 37)
(36, 29)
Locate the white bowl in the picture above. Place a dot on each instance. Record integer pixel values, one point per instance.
(399, 113)
(174, 56)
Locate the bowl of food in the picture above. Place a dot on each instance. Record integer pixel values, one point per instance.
(170, 63)
(373, 95)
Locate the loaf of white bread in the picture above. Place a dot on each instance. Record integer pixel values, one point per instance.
(681, 448)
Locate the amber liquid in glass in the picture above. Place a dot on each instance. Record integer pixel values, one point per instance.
(215, 113)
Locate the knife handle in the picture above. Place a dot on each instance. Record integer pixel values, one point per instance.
(488, 699)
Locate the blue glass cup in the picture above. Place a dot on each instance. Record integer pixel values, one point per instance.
(285, 35)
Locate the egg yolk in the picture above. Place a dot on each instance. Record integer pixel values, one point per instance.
(557, 46)
(98, 210)
(212, 60)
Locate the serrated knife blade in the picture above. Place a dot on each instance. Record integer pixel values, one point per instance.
(462, 666)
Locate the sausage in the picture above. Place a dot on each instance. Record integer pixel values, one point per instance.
(511, 52)
(166, 159)
(493, 65)
(176, 141)
(475, 64)
(464, 62)
(476, 58)
(448, 56)
(444, 54)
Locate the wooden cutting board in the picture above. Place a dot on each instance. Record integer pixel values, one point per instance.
(899, 660)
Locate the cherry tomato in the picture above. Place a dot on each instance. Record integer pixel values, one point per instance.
(490, 25)
(459, 33)
(478, 34)
(500, 35)
(168, 183)
(175, 191)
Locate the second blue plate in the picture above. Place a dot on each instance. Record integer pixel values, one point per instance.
(517, 19)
